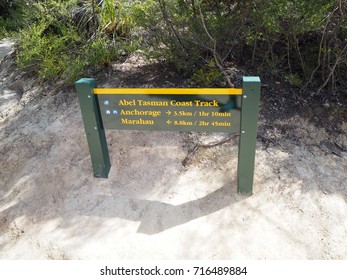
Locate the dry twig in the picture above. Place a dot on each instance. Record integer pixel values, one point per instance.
(191, 153)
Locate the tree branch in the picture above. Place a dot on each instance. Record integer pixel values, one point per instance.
(216, 56)
(170, 25)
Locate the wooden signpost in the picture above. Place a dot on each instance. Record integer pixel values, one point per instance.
(231, 110)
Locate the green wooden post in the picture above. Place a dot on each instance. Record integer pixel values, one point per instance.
(93, 127)
(248, 134)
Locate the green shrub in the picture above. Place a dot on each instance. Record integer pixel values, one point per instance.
(66, 39)
(45, 52)
(207, 76)
(294, 79)
(299, 40)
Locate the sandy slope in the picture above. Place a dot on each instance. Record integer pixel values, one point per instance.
(5, 47)
(152, 207)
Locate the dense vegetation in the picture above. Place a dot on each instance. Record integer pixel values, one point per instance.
(301, 41)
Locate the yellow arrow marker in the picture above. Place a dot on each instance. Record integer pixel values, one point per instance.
(169, 122)
(168, 112)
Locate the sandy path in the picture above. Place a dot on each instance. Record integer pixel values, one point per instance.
(5, 47)
(152, 207)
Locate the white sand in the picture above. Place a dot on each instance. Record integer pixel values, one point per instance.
(151, 207)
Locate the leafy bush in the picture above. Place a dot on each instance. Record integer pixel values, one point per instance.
(10, 11)
(296, 38)
(54, 46)
(304, 42)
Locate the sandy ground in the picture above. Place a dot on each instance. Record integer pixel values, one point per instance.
(5, 47)
(151, 206)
